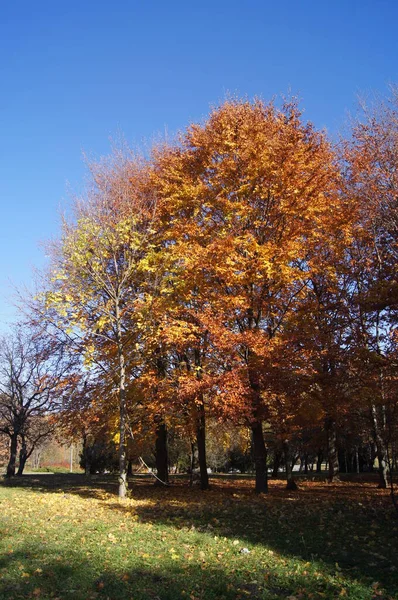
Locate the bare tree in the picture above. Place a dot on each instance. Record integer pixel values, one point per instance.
(33, 378)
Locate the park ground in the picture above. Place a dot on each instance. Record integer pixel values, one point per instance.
(65, 537)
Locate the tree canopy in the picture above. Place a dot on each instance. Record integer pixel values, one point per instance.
(244, 274)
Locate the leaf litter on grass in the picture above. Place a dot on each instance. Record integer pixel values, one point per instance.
(314, 543)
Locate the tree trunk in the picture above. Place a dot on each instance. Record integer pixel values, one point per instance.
(36, 458)
(13, 455)
(290, 483)
(161, 455)
(23, 457)
(192, 463)
(161, 450)
(383, 469)
(87, 465)
(260, 457)
(293, 461)
(319, 461)
(122, 406)
(356, 459)
(200, 418)
(122, 445)
(372, 455)
(333, 458)
(277, 462)
(201, 441)
(381, 451)
(87, 454)
(394, 458)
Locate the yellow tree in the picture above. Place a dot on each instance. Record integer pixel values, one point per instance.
(96, 274)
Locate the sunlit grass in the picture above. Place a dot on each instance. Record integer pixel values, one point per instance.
(63, 537)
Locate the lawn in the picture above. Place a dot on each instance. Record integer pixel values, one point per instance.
(64, 537)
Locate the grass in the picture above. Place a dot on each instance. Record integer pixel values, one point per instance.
(52, 469)
(63, 537)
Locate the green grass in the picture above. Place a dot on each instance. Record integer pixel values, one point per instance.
(64, 537)
(48, 470)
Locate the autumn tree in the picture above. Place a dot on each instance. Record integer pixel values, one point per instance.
(371, 161)
(250, 196)
(323, 327)
(96, 271)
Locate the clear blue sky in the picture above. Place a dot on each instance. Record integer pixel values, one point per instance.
(74, 73)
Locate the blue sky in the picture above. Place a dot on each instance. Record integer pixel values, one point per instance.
(74, 74)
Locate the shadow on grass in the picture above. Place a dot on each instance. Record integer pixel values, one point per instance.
(64, 482)
(76, 578)
(348, 527)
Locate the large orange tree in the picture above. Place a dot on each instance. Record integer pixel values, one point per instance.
(249, 198)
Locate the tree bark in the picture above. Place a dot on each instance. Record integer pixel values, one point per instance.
(191, 463)
(260, 457)
(290, 483)
(87, 454)
(87, 464)
(381, 451)
(122, 407)
(333, 458)
(161, 454)
(356, 459)
(122, 445)
(201, 442)
(277, 462)
(259, 447)
(394, 461)
(200, 423)
(23, 457)
(306, 464)
(13, 455)
(319, 461)
(383, 466)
